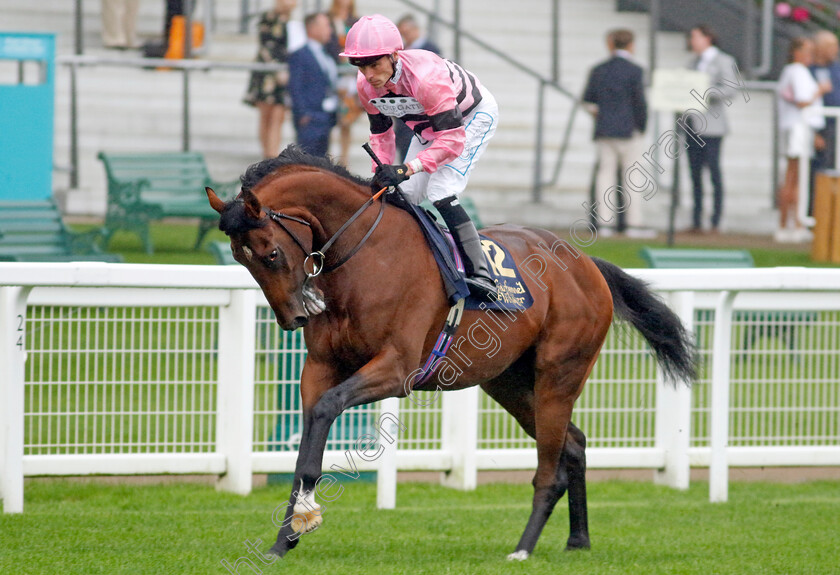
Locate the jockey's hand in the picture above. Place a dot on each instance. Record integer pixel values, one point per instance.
(388, 175)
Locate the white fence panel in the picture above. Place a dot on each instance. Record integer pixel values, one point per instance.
(128, 369)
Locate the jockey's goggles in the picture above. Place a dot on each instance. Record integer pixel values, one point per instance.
(361, 62)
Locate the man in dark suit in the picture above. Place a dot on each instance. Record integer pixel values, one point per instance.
(312, 83)
(413, 39)
(615, 96)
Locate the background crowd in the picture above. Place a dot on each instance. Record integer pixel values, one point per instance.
(615, 96)
(319, 88)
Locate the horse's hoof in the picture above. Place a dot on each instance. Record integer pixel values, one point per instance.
(277, 552)
(306, 522)
(577, 543)
(520, 555)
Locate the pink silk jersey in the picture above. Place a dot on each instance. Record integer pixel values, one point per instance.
(432, 96)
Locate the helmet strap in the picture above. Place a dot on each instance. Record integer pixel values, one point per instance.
(395, 65)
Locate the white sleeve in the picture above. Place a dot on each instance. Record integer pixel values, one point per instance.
(297, 36)
(783, 87)
(804, 86)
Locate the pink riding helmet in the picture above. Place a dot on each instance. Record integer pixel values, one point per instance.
(372, 36)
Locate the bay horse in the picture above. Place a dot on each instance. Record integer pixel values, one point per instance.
(369, 323)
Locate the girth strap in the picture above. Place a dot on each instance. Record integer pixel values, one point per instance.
(444, 340)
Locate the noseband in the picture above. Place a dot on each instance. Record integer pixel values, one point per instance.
(318, 257)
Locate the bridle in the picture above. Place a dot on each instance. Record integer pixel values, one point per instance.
(318, 257)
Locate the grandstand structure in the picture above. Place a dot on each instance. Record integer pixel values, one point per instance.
(130, 109)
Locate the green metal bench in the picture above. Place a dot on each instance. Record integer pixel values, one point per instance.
(34, 231)
(693, 259)
(221, 251)
(757, 321)
(146, 187)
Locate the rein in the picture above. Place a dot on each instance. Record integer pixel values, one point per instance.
(318, 257)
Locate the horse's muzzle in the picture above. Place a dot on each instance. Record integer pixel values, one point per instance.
(299, 321)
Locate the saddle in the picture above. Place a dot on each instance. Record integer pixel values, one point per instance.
(513, 293)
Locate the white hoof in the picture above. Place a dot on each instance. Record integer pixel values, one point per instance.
(307, 513)
(306, 522)
(521, 555)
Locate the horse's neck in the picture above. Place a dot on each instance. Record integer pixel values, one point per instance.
(331, 201)
(327, 198)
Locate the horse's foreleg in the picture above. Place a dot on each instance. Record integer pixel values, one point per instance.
(574, 457)
(321, 406)
(291, 524)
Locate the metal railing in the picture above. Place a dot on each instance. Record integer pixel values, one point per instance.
(544, 83)
(186, 67)
(148, 369)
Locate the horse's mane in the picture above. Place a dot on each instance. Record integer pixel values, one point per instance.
(234, 218)
(294, 156)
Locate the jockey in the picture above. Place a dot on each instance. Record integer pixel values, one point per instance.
(453, 118)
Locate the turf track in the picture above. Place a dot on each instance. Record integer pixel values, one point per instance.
(74, 528)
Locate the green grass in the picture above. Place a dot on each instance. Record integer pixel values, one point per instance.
(173, 244)
(625, 253)
(73, 528)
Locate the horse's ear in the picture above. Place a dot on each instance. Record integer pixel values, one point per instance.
(215, 201)
(252, 204)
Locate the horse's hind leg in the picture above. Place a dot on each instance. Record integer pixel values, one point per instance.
(515, 392)
(558, 384)
(574, 458)
(551, 478)
(570, 476)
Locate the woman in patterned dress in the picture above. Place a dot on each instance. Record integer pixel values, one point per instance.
(343, 15)
(267, 90)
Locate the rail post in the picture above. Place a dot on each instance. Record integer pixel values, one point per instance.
(673, 411)
(721, 344)
(386, 475)
(235, 397)
(12, 364)
(460, 437)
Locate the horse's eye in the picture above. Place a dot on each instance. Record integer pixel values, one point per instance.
(272, 256)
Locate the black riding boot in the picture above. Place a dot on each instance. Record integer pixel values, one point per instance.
(466, 238)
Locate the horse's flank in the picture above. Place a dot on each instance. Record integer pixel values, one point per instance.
(393, 283)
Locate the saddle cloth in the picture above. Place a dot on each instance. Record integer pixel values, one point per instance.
(513, 293)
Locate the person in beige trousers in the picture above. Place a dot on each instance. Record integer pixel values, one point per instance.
(615, 96)
(119, 23)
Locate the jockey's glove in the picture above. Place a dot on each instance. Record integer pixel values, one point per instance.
(389, 176)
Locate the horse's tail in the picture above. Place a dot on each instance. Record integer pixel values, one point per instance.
(634, 302)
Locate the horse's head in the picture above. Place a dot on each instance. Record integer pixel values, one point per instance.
(272, 247)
